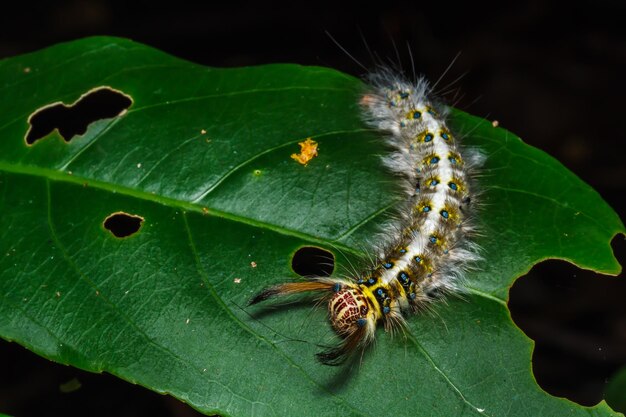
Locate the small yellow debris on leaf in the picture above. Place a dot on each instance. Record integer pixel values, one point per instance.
(308, 151)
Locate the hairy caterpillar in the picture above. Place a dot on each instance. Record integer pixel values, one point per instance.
(432, 249)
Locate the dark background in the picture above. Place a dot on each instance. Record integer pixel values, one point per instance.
(552, 73)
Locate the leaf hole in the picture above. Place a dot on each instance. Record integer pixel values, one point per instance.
(311, 261)
(576, 319)
(123, 224)
(74, 119)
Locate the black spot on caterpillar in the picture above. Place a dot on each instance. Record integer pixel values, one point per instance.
(426, 253)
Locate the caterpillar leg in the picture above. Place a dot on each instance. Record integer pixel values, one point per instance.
(352, 315)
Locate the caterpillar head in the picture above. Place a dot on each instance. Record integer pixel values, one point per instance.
(352, 318)
(349, 310)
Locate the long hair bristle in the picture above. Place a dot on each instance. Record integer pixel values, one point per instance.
(415, 128)
(351, 343)
(289, 288)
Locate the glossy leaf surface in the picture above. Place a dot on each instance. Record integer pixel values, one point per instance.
(202, 156)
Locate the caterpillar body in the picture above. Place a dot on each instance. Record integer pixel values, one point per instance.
(432, 249)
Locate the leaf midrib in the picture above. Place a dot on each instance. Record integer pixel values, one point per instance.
(53, 175)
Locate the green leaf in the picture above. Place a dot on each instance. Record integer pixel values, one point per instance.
(615, 392)
(203, 156)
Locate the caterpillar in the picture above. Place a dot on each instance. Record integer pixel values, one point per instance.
(432, 249)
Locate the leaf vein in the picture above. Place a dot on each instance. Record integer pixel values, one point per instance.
(202, 272)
